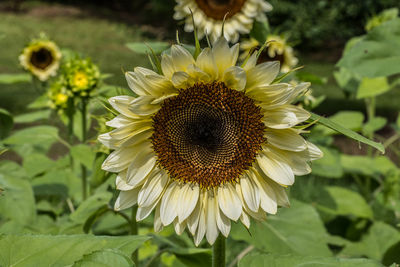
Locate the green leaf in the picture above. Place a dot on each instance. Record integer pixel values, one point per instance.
(374, 125)
(105, 258)
(98, 175)
(329, 165)
(375, 243)
(6, 123)
(90, 206)
(17, 202)
(377, 54)
(260, 31)
(33, 135)
(371, 87)
(143, 47)
(295, 230)
(15, 78)
(367, 166)
(347, 132)
(83, 154)
(40, 102)
(36, 164)
(271, 260)
(392, 255)
(341, 201)
(33, 116)
(60, 250)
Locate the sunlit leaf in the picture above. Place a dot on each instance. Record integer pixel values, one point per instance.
(341, 201)
(296, 230)
(32, 116)
(329, 165)
(371, 87)
(375, 243)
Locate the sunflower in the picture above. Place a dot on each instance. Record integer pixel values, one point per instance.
(208, 16)
(42, 58)
(207, 142)
(277, 50)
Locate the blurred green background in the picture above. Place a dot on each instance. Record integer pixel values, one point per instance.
(100, 29)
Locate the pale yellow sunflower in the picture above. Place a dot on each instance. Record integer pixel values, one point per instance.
(208, 16)
(277, 50)
(207, 142)
(42, 58)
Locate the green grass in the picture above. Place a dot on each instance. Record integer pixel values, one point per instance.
(101, 40)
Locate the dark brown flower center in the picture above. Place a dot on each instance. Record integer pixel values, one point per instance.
(264, 57)
(208, 134)
(217, 9)
(41, 58)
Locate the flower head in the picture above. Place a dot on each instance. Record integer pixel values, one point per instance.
(81, 75)
(277, 50)
(209, 16)
(41, 57)
(207, 141)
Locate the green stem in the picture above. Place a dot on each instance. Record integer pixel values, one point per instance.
(83, 168)
(218, 257)
(370, 106)
(70, 115)
(134, 231)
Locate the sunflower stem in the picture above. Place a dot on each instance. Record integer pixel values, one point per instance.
(218, 257)
(134, 231)
(83, 167)
(70, 115)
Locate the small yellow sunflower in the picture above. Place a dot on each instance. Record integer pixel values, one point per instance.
(278, 50)
(42, 58)
(208, 16)
(207, 142)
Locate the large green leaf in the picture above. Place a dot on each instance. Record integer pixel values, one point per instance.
(90, 206)
(61, 250)
(83, 154)
(36, 164)
(6, 123)
(105, 258)
(271, 260)
(375, 243)
(371, 87)
(17, 201)
(347, 132)
(329, 165)
(33, 135)
(341, 201)
(377, 54)
(33, 116)
(295, 230)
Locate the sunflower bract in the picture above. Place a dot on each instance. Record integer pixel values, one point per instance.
(207, 142)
